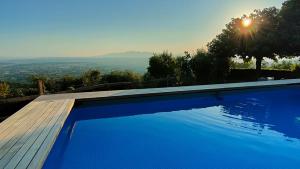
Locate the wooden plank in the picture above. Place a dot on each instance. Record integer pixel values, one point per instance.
(16, 129)
(42, 152)
(33, 136)
(27, 156)
(17, 116)
(12, 147)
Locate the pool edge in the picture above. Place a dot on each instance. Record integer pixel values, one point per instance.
(65, 103)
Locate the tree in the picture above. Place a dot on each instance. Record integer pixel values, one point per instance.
(183, 68)
(38, 83)
(68, 82)
(224, 47)
(259, 41)
(91, 77)
(220, 69)
(256, 40)
(4, 90)
(289, 28)
(36, 78)
(226, 44)
(202, 66)
(162, 65)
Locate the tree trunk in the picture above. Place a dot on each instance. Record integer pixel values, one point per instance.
(258, 66)
(41, 87)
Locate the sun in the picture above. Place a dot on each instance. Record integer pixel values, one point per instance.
(246, 22)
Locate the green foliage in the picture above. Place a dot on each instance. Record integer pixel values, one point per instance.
(221, 69)
(289, 28)
(273, 34)
(284, 65)
(91, 77)
(225, 44)
(256, 41)
(68, 82)
(202, 66)
(62, 84)
(183, 69)
(261, 41)
(121, 76)
(295, 67)
(52, 85)
(17, 92)
(242, 65)
(162, 65)
(35, 78)
(296, 71)
(4, 90)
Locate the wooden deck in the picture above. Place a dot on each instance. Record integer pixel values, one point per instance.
(27, 136)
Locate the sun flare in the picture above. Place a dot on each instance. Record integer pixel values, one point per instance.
(246, 22)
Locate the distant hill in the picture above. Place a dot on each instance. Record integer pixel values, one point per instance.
(19, 70)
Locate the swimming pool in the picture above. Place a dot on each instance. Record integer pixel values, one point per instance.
(231, 129)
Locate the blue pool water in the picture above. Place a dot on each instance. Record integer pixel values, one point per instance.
(242, 129)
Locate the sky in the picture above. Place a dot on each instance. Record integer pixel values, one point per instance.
(62, 28)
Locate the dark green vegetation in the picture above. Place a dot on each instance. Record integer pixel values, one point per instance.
(273, 34)
(288, 28)
(238, 53)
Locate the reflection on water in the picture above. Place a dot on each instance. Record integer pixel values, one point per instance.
(258, 129)
(272, 113)
(277, 110)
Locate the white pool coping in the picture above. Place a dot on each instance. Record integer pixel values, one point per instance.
(169, 90)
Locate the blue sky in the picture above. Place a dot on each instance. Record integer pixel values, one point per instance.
(45, 28)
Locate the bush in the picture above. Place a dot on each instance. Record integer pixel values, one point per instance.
(184, 74)
(162, 65)
(284, 65)
(122, 76)
(4, 90)
(244, 65)
(70, 82)
(52, 85)
(17, 92)
(296, 71)
(202, 66)
(244, 75)
(91, 77)
(221, 69)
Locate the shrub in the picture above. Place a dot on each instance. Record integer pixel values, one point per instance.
(162, 65)
(284, 65)
(17, 92)
(91, 77)
(121, 76)
(296, 71)
(4, 90)
(184, 74)
(201, 65)
(243, 65)
(221, 69)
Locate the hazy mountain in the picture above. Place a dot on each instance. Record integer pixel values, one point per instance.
(18, 70)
